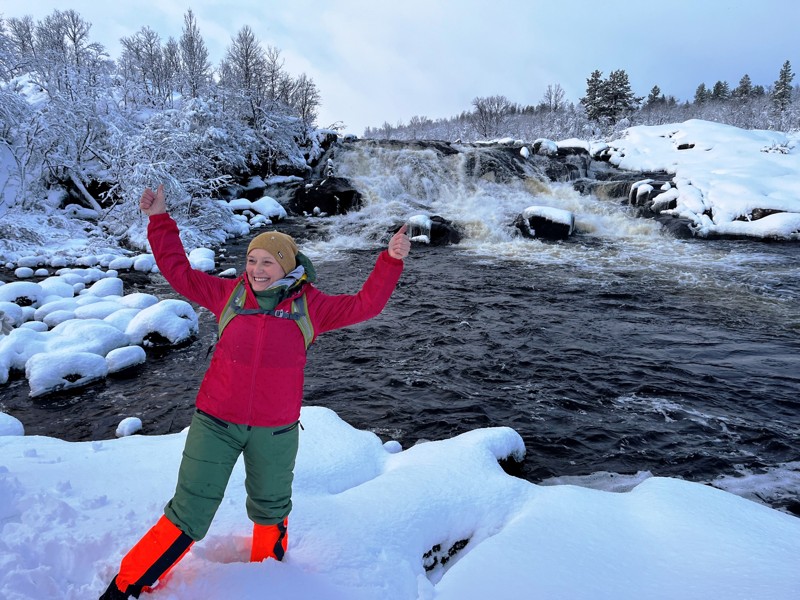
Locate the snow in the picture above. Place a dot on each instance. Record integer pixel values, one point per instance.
(728, 171)
(60, 341)
(260, 212)
(129, 426)
(369, 515)
(556, 215)
(10, 426)
(120, 359)
(365, 516)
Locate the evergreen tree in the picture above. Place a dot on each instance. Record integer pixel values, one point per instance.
(593, 100)
(618, 96)
(720, 91)
(655, 96)
(701, 94)
(745, 88)
(782, 90)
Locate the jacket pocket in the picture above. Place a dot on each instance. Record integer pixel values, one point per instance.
(219, 422)
(291, 427)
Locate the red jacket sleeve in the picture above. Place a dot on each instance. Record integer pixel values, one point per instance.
(334, 312)
(201, 288)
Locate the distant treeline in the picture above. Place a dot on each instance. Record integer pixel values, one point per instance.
(608, 107)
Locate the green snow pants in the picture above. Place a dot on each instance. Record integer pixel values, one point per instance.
(212, 448)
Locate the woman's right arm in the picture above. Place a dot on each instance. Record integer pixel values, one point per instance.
(165, 242)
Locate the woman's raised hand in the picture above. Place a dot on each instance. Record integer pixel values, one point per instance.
(400, 245)
(153, 203)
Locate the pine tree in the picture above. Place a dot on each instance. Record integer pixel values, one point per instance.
(782, 90)
(593, 100)
(701, 94)
(721, 91)
(655, 96)
(618, 96)
(745, 88)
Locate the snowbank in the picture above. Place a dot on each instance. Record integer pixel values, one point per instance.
(730, 181)
(366, 523)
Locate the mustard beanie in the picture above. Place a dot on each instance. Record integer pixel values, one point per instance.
(280, 245)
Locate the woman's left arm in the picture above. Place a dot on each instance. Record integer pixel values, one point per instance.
(334, 312)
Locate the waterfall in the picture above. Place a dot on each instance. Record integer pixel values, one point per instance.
(481, 190)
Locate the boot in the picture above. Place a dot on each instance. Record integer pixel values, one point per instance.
(114, 593)
(269, 541)
(149, 560)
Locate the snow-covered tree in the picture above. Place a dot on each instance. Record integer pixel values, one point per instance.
(143, 71)
(195, 67)
(490, 114)
(593, 101)
(279, 84)
(553, 98)
(782, 90)
(720, 91)
(305, 99)
(243, 77)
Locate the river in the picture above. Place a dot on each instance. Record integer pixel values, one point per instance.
(618, 352)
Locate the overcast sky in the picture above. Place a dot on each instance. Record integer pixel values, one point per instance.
(376, 61)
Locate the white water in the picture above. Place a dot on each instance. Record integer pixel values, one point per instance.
(399, 184)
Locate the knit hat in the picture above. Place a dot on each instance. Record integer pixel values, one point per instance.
(279, 245)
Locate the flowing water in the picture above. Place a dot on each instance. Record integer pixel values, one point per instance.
(618, 352)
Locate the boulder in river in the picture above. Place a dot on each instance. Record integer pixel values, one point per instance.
(545, 222)
(330, 196)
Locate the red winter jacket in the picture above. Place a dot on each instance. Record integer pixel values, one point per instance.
(256, 373)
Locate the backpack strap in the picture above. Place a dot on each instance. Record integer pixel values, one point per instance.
(300, 309)
(299, 313)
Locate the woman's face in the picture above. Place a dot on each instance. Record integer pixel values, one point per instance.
(262, 269)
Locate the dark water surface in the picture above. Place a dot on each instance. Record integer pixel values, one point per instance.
(626, 370)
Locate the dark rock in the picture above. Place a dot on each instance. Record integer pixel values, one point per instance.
(441, 233)
(758, 213)
(331, 196)
(539, 222)
(677, 227)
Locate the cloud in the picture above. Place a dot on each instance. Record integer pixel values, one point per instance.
(375, 62)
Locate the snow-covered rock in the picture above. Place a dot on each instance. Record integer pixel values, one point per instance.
(10, 425)
(49, 372)
(168, 322)
(129, 426)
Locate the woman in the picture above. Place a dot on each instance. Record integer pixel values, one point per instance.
(249, 399)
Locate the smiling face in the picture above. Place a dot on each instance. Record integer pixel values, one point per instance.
(262, 269)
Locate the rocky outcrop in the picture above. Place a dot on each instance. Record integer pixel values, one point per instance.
(330, 196)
